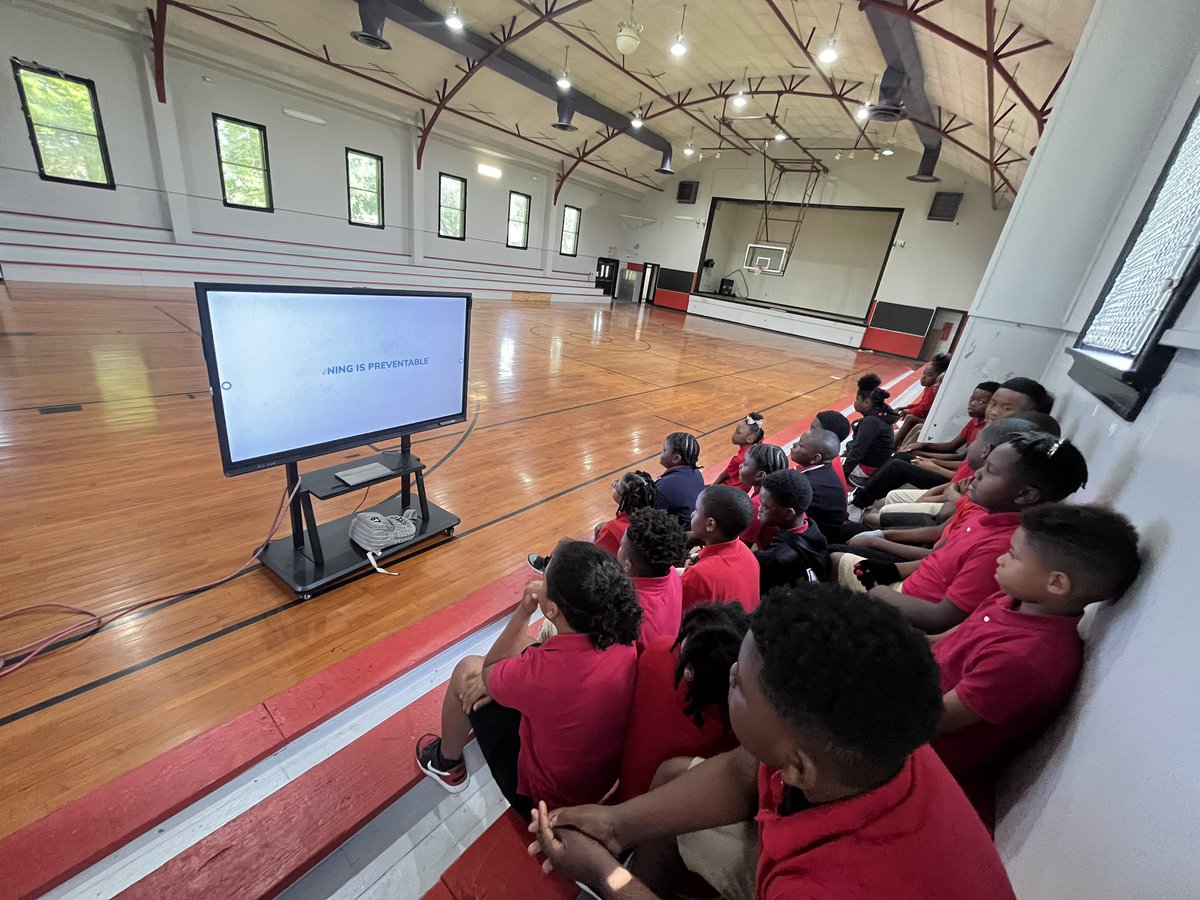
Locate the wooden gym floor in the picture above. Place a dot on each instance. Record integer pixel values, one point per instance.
(118, 495)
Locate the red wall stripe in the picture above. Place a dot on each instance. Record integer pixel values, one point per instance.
(672, 299)
(892, 342)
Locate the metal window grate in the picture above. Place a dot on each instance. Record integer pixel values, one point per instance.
(945, 206)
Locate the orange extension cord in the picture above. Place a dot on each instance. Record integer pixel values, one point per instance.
(11, 660)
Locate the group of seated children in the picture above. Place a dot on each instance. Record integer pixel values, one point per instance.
(735, 681)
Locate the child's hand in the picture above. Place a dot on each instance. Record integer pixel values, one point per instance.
(474, 693)
(534, 592)
(574, 854)
(596, 821)
(596, 530)
(690, 559)
(872, 573)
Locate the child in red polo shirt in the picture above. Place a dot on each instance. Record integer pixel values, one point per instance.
(944, 588)
(918, 411)
(798, 552)
(761, 460)
(725, 568)
(650, 549)
(1009, 669)
(955, 450)
(832, 793)
(632, 491)
(748, 432)
(681, 701)
(550, 719)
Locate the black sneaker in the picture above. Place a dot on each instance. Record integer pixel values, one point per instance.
(537, 563)
(429, 754)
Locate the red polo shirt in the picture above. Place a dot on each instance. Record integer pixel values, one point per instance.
(964, 512)
(963, 471)
(913, 838)
(921, 406)
(661, 600)
(963, 569)
(659, 729)
(971, 430)
(610, 535)
(731, 469)
(1014, 670)
(726, 571)
(574, 702)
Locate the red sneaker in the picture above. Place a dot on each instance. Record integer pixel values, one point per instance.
(428, 752)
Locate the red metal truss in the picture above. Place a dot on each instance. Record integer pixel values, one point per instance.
(349, 70)
(508, 36)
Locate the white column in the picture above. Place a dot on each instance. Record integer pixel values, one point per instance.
(168, 154)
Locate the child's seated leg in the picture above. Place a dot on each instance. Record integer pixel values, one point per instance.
(441, 756)
(498, 733)
(725, 857)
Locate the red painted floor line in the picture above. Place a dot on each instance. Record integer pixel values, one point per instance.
(64, 843)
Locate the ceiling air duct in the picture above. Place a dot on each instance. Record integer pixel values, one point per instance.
(372, 14)
(566, 112)
(664, 167)
(929, 161)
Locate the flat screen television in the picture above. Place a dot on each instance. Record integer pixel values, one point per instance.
(298, 372)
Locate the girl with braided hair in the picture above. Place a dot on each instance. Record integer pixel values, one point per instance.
(632, 491)
(550, 718)
(761, 460)
(748, 432)
(681, 483)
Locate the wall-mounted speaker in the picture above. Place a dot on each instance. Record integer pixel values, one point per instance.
(687, 192)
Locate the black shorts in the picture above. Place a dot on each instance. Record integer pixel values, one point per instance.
(498, 733)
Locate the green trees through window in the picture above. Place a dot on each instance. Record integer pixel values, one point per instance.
(452, 207)
(518, 220)
(569, 245)
(64, 126)
(364, 182)
(245, 169)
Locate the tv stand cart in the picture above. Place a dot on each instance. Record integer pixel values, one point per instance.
(317, 557)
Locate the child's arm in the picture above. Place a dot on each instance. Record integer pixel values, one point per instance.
(906, 552)
(515, 637)
(927, 448)
(722, 478)
(956, 457)
(955, 714)
(925, 615)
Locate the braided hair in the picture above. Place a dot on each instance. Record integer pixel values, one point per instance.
(755, 421)
(594, 594)
(709, 640)
(768, 457)
(1055, 467)
(656, 540)
(686, 446)
(637, 491)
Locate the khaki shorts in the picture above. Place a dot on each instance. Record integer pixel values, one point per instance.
(847, 578)
(725, 857)
(924, 509)
(904, 495)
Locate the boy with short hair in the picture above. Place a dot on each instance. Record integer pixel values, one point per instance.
(798, 552)
(814, 452)
(1010, 668)
(725, 568)
(839, 426)
(955, 449)
(653, 544)
(848, 802)
(918, 411)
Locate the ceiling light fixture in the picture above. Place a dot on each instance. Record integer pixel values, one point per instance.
(863, 112)
(888, 150)
(453, 20)
(829, 52)
(690, 149)
(564, 77)
(629, 34)
(780, 136)
(876, 156)
(637, 121)
(838, 155)
(679, 47)
(303, 116)
(489, 171)
(739, 99)
(850, 155)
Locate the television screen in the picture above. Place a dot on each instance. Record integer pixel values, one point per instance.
(298, 372)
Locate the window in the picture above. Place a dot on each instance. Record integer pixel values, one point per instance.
(569, 246)
(64, 126)
(364, 184)
(245, 171)
(452, 207)
(518, 220)
(1124, 348)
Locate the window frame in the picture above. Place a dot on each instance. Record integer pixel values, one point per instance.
(101, 139)
(463, 181)
(1125, 390)
(563, 231)
(510, 220)
(262, 129)
(350, 189)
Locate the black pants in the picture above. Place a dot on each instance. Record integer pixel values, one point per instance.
(893, 474)
(498, 733)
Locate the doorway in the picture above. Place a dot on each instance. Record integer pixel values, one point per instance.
(944, 329)
(606, 275)
(649, 282)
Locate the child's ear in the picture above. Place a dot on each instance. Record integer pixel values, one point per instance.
(1028, 496)
(689, 674)
(800, 771)
(549, 608)
(1059, 584)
